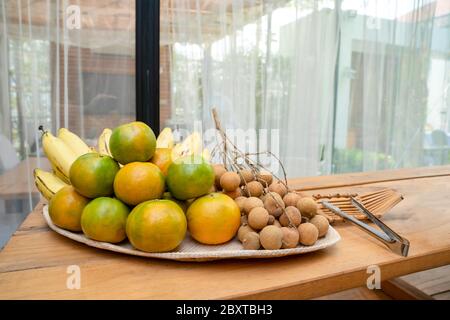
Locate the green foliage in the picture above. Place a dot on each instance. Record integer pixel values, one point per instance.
(356, 160)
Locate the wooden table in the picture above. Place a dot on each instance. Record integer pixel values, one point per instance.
(34, 263)
(17, 182)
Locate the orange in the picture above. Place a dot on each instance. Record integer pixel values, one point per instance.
(156, 226)
(104, 219)
(213, 219)
(137, 182)
(134, 141)
(65, 208)
(190, 177)
(163, 159)
(92, 175)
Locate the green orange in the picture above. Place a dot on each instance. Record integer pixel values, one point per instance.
(65, 208)
(163, 159)
(92, 175)
(104, 219)
(156, 226)
(137, 182)
(189, 177)
(213, 219)
(134, 141)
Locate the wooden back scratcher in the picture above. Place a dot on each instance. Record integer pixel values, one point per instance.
(378, 202)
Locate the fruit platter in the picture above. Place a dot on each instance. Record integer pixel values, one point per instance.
(138, 194)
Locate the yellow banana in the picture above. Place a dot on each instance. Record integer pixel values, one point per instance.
(206, 154)
(74, 142)
(191, 145)
(103, 142)
(47, 183)
(58, 153)
(165, 139)
(57, 172)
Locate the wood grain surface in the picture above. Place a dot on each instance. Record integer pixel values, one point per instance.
(33, 265)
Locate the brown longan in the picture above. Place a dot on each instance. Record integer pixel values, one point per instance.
(271, 238)
(219, 170)
(290, 237)
(234, 194)
(278, 187)
(271, 219)
(308, 234)
(244, 219)
(254, 189)
(243, 230)
(246, 175)
(291, 199)
(307, 207)
(240, 202)
(265, 177)
(321, 224)
(258, 218)
(274, 204)
(230, 181)
(251, 241)
(291, 215)
(276, 223)
(251, 203)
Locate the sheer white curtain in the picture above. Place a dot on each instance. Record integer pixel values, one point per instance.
(385, 83)
(347, 83)
(54, 74)
(267, 65)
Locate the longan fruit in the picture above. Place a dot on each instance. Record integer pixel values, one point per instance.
(271, 238)
(244, 219)
(278, 187)
(290, 238)
(265, 177)
(274, 204)
(276, 223)
(291, 199)
(321, 224)
(251, 203)
(271, 219)
(246, 176)
(230, 181)
(308, 234)
(234, 194)
(307, 207)
(251, 241)
(294, 215)
(254, 189)
(243, 230)
(240, 202)
(219, 170)
(258, 218)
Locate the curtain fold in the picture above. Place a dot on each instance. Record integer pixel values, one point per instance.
(346, 85)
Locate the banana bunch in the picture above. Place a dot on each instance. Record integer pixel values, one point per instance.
(165, 139)
(63, 150)
(47, 183)
(192, 145)
(103, 142)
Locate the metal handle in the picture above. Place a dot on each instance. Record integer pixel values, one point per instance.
(395, 242)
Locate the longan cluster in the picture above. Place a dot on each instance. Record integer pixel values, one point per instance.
(272, 217)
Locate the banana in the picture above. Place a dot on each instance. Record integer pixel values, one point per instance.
(57, 172)
(165, 139)
(58, 153)
(206, 154)
(74, 142)
(47, 183)
(191, 145)
(103, 142)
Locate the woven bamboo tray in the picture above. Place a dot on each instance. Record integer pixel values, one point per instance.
(190, 250)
